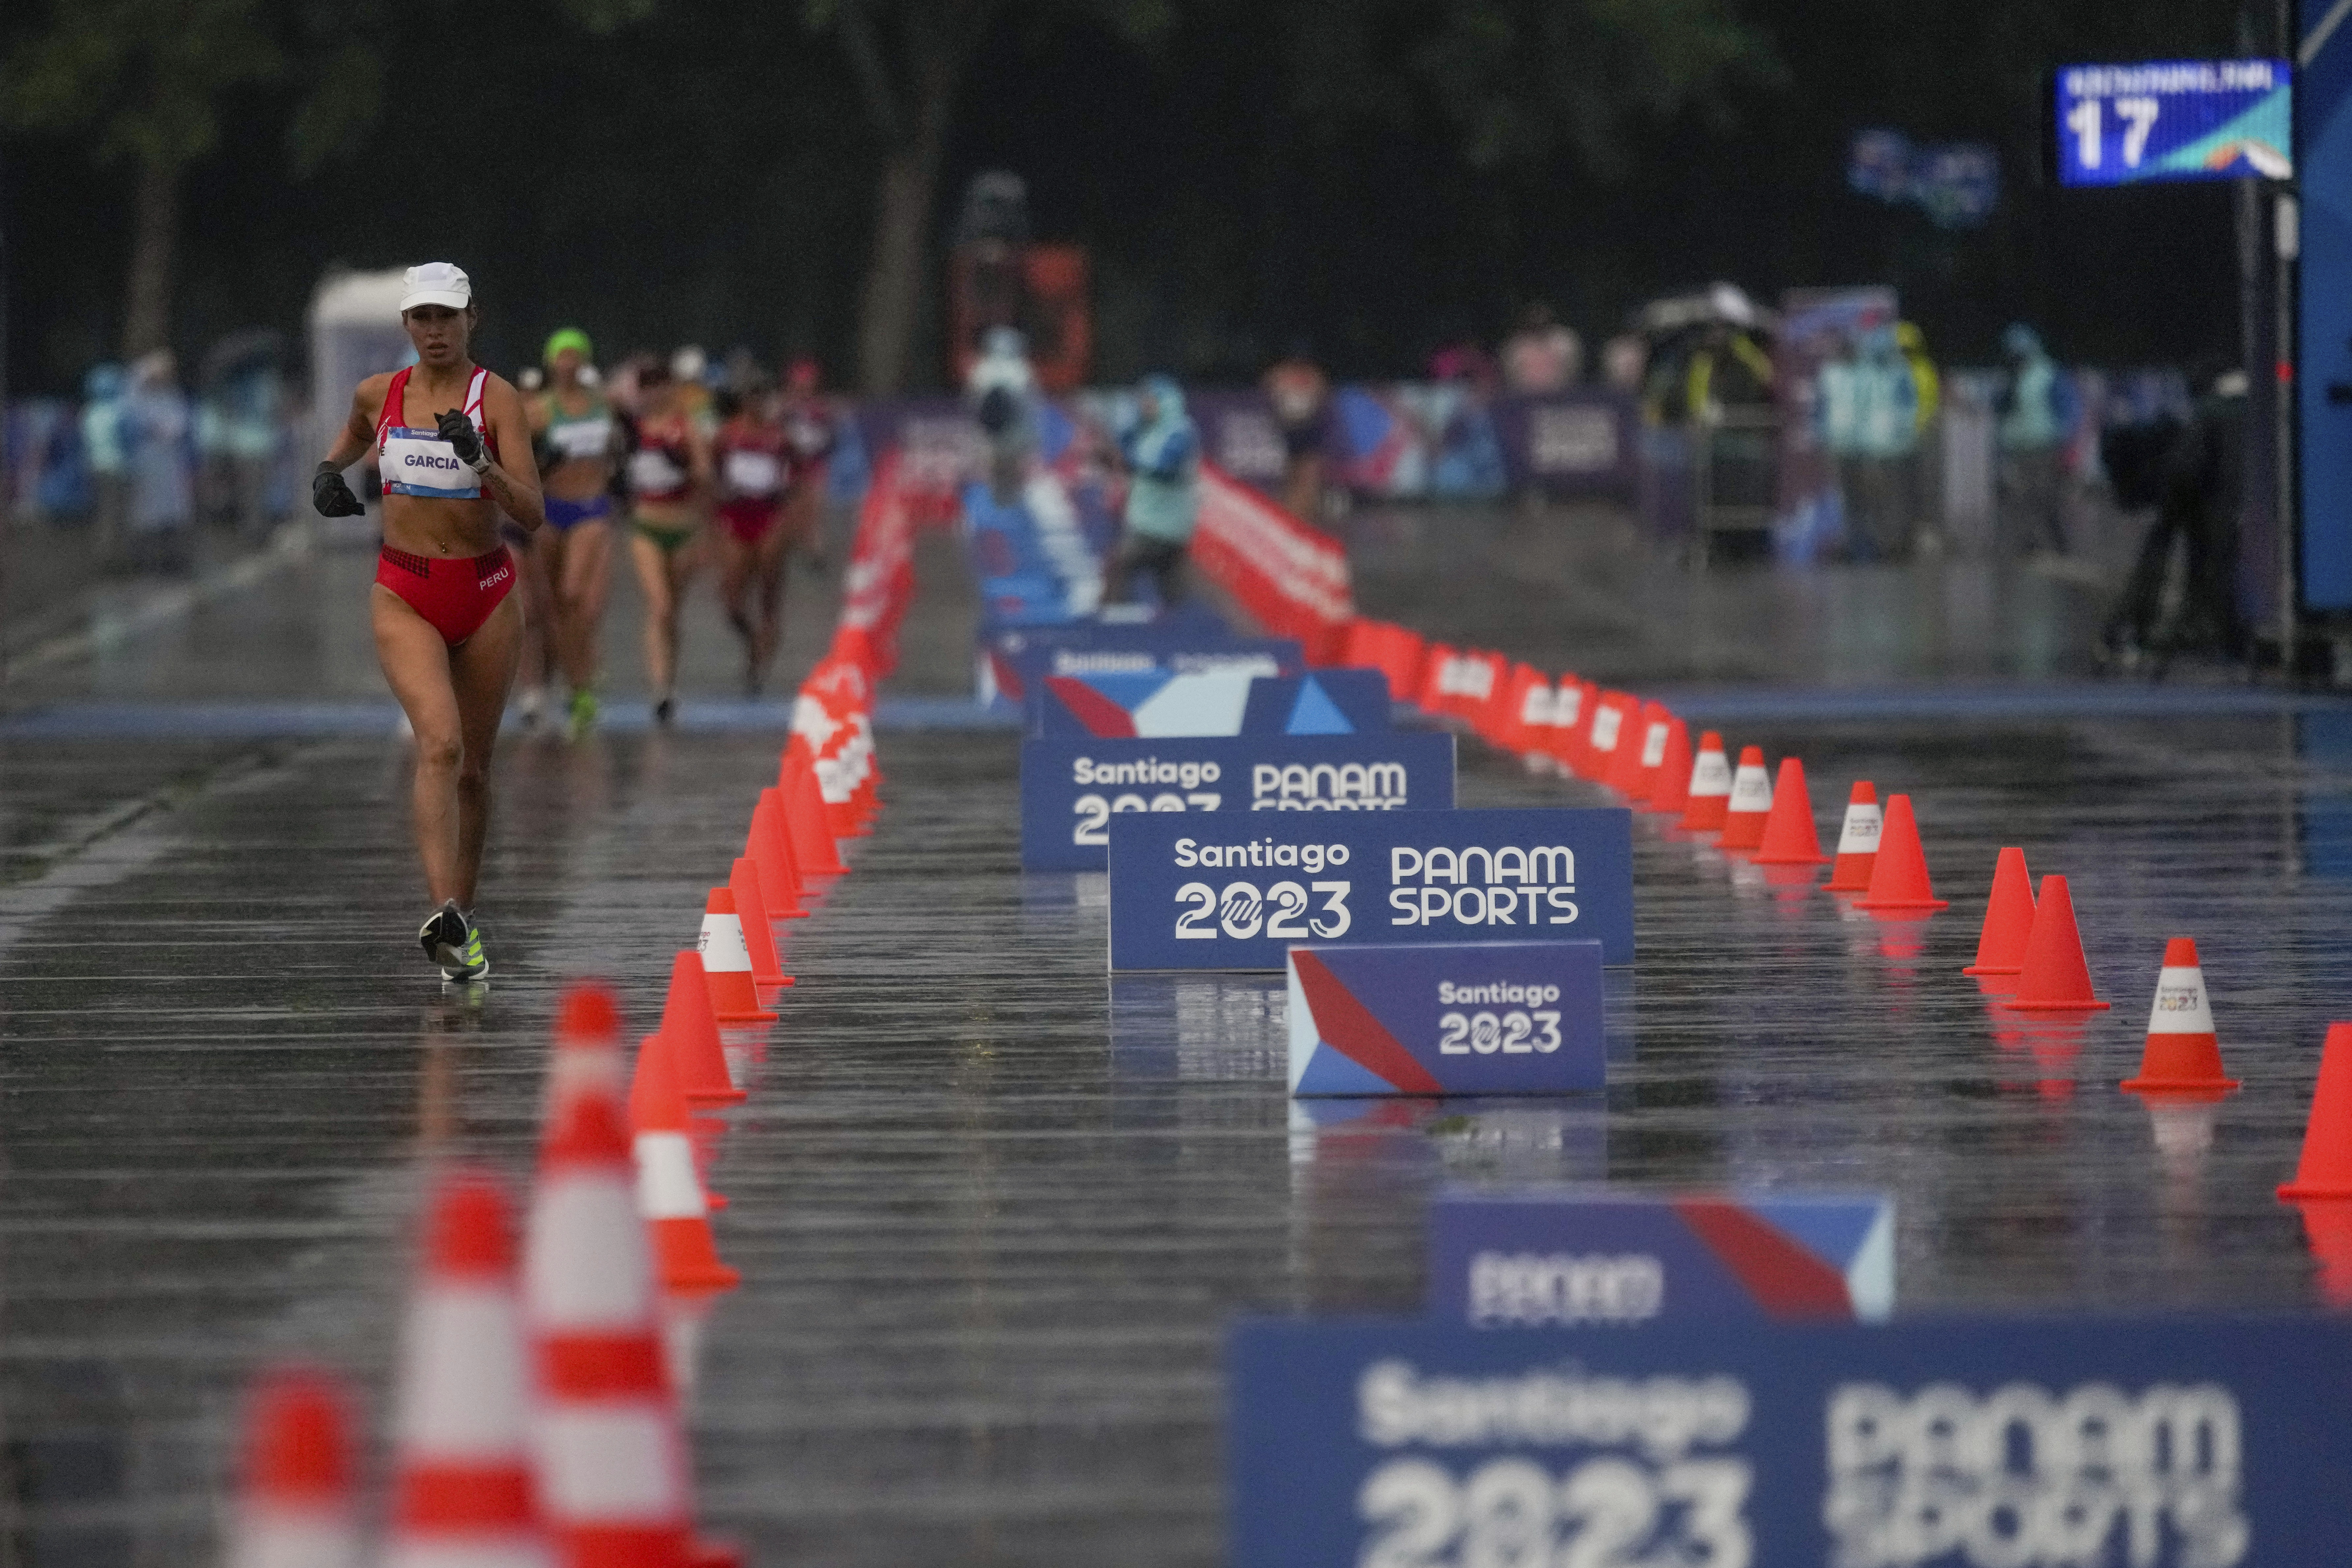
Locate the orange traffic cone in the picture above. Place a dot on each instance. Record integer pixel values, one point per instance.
(727, 962)
(670, 1198)
(613, 1473)
(693, 1036)
(1899, 880)
(1603, 737)
(462, 1486)
(2055, 978)
(1625, 767)
(1750, 803)
(1710, 787)
(1789, 839)
(813, 849)
(751, 915)
(1569, 717)
(1670, 789)
(1857, 850)
(2008, 919)
(2183, 1055)
(769, 846)
(294, 1503)
(2328, 1230)
(2325, 1171)
(587, 1044)
(1638, 766)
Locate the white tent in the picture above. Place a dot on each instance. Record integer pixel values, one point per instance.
(355, 333)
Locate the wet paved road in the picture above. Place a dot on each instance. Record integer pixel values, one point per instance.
(993, 1212)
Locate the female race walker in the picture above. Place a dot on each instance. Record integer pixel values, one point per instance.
(669, 470)
(573, 425)
(752, 458)
(452, 445)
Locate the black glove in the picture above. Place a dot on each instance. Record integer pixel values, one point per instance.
(332, 497)
(464, 439)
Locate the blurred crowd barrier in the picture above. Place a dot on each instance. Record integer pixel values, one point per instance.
(1397, 441)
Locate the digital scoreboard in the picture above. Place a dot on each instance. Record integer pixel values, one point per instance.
(2174, 120)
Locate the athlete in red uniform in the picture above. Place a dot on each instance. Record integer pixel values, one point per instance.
(453, 445)
(752, 458)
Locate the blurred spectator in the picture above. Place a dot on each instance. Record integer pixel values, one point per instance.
(1870, 426)
(1301, 395)
(2037, 410)
(1625, 362)
(240, 430)
(2198, 485)
(1927, 464)
(1726, 368)
(1542, 356)
(1002, 392)
(1162, 453)
(1466, 363)
(104, 448)
(1927, 386)
(158, 440)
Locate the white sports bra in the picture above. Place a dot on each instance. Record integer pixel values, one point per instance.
(413, 462)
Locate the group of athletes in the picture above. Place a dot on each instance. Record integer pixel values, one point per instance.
(684, 471)
(485, 488)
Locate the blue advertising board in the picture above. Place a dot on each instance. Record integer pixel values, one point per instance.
(1563, 1257)
(2322, 381)
(2032, 1443)
(2174, 120)
(1071, 786)
(1016, 675)
(1239, 892)
(1209, 693)
(1490, 1017)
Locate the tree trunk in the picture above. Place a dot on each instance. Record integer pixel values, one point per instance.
(898, 267)
(154, 241)
(896, 270)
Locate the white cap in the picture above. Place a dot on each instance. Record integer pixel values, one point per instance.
(437, 283)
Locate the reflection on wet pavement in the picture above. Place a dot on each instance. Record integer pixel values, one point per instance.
(992, 1209)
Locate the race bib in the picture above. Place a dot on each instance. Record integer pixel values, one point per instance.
(754, 473)
(651, 472)
(581, 437)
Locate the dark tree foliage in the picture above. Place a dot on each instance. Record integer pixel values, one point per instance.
(1377, 177)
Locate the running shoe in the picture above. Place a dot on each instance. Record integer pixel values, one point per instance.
(665, 712)
(584, 711)
(531, 706)
(473, 963)
(443, 936)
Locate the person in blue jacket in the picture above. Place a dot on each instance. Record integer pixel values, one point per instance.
(1162, 453)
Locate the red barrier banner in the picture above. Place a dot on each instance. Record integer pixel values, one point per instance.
(1291, 578)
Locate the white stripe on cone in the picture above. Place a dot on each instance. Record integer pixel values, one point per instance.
(1751, 791)
(1606, 721)
(281, 1537)
(1536, 707)
(1567, 707)
(1711, 775)
(480, 1552)
(1654, 744)
(2181, 1006)
(607, 1462)
(668, 1187)
(466, 1398)
(574, 1215)
(1859, 834)
(721, 945)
